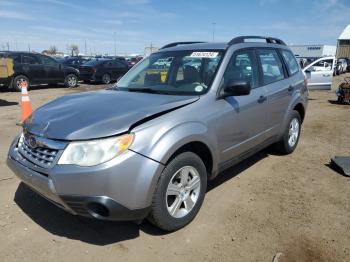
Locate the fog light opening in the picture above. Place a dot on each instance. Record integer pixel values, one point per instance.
(97, 209)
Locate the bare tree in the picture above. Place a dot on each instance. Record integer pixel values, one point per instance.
(52, 50)
(74, 49)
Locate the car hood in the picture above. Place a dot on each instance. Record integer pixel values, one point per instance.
(99, 114)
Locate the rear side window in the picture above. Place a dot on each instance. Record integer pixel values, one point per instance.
(291, 62)
(29, 60)
(272, 69)
(16, 58)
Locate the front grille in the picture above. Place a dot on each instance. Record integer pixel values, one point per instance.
(41, 156)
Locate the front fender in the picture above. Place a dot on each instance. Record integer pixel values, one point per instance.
(160, 143)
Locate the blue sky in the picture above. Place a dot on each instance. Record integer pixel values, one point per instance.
(138, 23)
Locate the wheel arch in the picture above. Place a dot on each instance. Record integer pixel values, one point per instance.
(299, 107)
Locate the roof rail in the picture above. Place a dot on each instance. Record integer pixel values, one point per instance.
(270, 40)
(180, 43)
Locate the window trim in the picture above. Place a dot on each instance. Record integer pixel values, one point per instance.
(261, 69)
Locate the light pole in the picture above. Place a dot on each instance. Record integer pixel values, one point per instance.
(115, 44)
(213, 31)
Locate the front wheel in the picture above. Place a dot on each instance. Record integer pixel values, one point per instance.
(290, 138)
(179, 193)
(106, 79)
(71, 80)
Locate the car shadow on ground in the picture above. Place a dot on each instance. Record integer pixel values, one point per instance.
(96, 232)
(7, 103)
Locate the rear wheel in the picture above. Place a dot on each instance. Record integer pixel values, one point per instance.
(179, 193)
(290, 138)
(106, 79)
(71, 80)
(18, 81)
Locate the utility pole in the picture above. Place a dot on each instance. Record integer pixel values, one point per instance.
(115, 44)
(85, 48)
(213, 31)
(29, 48)
(8, 46)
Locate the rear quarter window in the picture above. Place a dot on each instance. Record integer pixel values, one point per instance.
(291, 62)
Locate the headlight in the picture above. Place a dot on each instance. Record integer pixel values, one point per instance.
(94, 152)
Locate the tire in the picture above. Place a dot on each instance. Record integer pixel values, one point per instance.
(71, 80)
(16, 82)
(106, 79)
(287, 144)
(191, 197)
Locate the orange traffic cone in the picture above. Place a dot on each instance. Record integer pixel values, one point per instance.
(25, 105)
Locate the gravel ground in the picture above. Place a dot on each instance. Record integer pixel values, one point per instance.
(296, 204)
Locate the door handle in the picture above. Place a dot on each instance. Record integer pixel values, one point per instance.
(290, 88)
(262, 99)
(326, 75)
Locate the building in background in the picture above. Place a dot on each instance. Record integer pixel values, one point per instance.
(313, 51)
(343, 46)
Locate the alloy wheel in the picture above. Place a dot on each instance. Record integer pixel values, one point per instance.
(293, 132)
(183, 191)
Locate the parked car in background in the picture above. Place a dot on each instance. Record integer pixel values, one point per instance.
(133, 60)
(319, 73)
(342, 66)
(148, 146)
(73, 61)
(103, 70)
(35, 69)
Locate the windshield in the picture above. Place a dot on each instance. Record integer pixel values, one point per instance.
(176, 72)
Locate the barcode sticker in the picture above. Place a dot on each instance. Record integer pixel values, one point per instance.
(204, 54)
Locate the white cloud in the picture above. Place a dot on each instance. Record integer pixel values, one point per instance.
(14, 15)
(114, 22)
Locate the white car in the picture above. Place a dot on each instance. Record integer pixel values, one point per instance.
(319, 73)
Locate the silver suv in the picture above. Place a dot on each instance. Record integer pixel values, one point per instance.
(147, 146)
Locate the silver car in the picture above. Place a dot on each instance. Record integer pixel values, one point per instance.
(146, 147)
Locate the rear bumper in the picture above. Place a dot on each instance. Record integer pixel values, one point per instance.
(121, 189)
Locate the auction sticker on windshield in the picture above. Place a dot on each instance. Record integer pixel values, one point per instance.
(204, 54)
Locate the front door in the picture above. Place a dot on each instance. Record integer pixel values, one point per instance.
(242, 123)
(320, 74)
(54, 74)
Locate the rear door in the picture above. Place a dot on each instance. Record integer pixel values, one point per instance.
(242, 124)
(278, 87)
(34, 68)
(320, 73)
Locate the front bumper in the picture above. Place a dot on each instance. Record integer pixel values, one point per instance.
(120, 189)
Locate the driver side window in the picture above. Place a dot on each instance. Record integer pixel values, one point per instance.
(48, 60)
(242, 67)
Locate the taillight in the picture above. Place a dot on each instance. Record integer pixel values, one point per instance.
(93, 70)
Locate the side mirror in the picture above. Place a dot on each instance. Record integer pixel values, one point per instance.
(310, 69)
(237, 88)
(326, 64)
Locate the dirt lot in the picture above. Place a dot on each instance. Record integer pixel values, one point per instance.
(295, 204)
